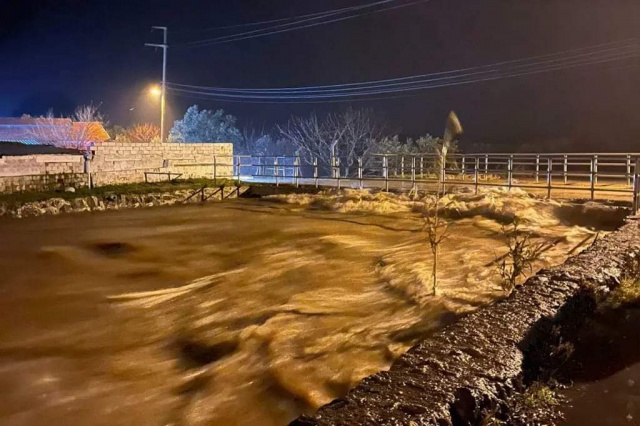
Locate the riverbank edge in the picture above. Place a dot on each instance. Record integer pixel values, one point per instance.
(119, 201)
(472, 371)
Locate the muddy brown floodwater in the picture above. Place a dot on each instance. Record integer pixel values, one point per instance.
(242, 313)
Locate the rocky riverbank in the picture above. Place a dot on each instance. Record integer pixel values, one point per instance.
(478, 370)
(55, 206)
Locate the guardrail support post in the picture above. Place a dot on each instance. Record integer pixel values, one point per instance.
(413, 172)
(486, 167)
(565, 169)
(464, 167)
(549, 176)
(636, 187)
(475, 173)
(315, 170)
(510, 172)
(592, 182)
(385, 170)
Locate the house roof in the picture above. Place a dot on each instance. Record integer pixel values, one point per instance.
(32, 131)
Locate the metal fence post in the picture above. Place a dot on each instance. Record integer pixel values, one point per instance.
(510, 172)
(464, 167)
(338, 171)
(315, 170)
(413, 172)
(475, 173)
(275, 169)
(537, 168)
(636, 187)
(360, 171)
(592, 182)
(296, 171)
(402, 166)
(595, 168)
(486, 167)
(629, 180)
(421, 167)
(565, 168)
(385, 169)
(215, 169)
(549, 176)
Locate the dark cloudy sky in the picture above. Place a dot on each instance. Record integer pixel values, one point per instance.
(60, 53)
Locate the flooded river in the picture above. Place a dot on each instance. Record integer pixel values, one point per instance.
(244, 313)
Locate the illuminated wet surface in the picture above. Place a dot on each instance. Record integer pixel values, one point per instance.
(290, 308)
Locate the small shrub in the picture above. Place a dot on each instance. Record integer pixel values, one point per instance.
(521, 254)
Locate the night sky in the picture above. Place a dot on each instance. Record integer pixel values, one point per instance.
(61, 53)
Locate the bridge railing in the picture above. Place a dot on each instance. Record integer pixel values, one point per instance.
(562, 174)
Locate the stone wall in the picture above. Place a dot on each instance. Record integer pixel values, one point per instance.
(41, 172)
(116, 163)
(121, 162)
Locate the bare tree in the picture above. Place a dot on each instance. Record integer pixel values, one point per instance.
(146, 132)
(75, 131)
(437, 230)
(355, 133)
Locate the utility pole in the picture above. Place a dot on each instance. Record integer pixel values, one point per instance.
(163, 96)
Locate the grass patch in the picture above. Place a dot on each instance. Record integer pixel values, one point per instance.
(539, 395)
(628, 292)
(122, 189)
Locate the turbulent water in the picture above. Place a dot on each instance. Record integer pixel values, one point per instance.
(243, 313)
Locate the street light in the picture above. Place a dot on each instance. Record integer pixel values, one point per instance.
(155, 91)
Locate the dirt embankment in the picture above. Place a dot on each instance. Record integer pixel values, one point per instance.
(471, 372)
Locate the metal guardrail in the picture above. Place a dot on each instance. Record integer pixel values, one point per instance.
(559, 173)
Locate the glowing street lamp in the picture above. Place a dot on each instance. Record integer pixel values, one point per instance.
(155, 91)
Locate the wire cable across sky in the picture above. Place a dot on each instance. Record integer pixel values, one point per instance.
(598, 54)
(309, 22)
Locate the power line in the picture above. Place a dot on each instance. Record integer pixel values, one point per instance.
(294, 26)
(356, 88)
(273, 21)
(331, 98)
